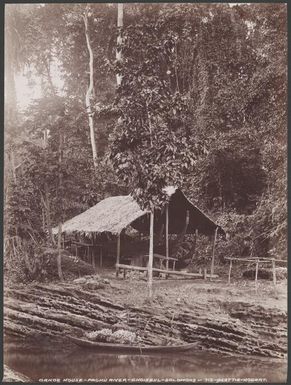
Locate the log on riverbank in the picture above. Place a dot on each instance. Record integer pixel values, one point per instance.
(62, 310)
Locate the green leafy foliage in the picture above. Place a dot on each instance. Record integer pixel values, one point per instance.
(153, 143)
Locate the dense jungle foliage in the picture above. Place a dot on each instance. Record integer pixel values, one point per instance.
(201, 105)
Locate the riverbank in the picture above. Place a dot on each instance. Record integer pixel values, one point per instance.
(221, 318)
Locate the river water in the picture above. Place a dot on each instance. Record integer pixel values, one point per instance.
(69, 363)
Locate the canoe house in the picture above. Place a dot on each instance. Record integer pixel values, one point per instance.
(113, 215)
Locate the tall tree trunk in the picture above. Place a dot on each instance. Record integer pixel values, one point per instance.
(151, 255)
(119, 39)
(47, 209)
(60, 187)
(90, 91)
(46, 199)
(59, 259)
(10, 105)
(213, 251)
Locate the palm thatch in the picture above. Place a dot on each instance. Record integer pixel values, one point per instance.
(110, 215)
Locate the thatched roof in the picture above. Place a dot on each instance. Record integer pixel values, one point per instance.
(114, 214)
(110, 215)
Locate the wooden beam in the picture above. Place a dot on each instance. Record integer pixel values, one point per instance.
(213, 252)
(255, 259)
(167, 236)
(248, 260)
(172, 272)
(117, 254)
(151, 255)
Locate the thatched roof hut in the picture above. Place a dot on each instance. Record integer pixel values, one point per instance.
(111, 215)
(114, 214)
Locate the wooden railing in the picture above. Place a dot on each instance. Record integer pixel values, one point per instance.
(125, 268)
(257, 261)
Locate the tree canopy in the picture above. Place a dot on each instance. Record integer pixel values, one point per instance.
(202, 105)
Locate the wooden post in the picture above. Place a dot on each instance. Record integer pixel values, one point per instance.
(193, 248)
(213, 252)
(174, 265)
(167, 237)
(229, 272)
(274, 272)
(256, 276)
(118, 254)
(205, 273)
(93, 257)
(151, 255)
(160, 234)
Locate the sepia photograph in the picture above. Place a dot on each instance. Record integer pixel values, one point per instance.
(145, 192)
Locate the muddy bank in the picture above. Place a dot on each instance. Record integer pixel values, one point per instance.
(224, 322)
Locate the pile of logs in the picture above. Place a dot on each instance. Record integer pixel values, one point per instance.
(61, 310)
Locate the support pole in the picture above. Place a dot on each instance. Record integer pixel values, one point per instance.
(196, 238)
(151, 255)
(167, 236)
(195, 246)
(229, 272)
(205, 273)
(93, 258)
(213, 252)
(256, 276)
(160, 234)
(118, 254)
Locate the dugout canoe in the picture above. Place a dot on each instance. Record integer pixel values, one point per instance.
(133, 349)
